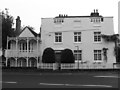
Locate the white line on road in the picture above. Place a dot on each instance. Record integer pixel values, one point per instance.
(88, 85)
(108, 76)
(75, 85)
(50, 84)
(10, 82)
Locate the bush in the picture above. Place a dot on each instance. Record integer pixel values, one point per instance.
(67, 56)
(48, 56)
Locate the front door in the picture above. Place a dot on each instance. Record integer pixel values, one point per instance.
(58, 59)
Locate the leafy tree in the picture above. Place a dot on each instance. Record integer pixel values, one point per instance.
(67, 56)
(48, 56)
(117, 53)
(7, 23)
(113, 38)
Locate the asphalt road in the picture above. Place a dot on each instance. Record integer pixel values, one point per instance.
(60, 80)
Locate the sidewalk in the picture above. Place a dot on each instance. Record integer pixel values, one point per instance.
(34, 70)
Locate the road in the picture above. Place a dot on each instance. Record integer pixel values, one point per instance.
(59, 80)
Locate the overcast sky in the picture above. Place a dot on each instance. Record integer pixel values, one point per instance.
(31, 11)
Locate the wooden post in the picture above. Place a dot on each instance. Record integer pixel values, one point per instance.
(27, 50)
(37, 51)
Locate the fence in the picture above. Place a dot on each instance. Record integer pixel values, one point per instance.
(55, 66)
(47, 66)
(68, 66)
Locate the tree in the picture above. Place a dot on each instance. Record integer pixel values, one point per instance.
(113, 38)
(7, 30)
(67, 56)
(48, 56)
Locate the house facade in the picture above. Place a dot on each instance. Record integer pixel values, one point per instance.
(82, 35)
(23, 50)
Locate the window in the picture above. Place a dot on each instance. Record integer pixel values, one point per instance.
(58, 20)
(78, 55)
(77, 36)
(97, 36)
(58, 37)
(97, 55)
(96, 20)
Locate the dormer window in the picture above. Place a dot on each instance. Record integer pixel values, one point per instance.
(58, 20)
(96, 19)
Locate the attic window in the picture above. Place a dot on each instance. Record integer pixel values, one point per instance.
(58, 20)
(96, 20)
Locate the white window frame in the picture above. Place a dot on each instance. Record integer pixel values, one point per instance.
(59, 36)
(77, 37)
(78, 55)
(97, 37)
(97, 55)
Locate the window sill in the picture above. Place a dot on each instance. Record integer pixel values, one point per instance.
(58, 43)
(98, 42)
(77, 42)
(97, 62)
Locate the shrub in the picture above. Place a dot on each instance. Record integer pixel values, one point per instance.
(67, 56)
(48, 56)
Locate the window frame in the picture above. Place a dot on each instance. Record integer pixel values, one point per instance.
(97, 37)
(97, 55)
(58, 37)
(78, 55)
(77, 37)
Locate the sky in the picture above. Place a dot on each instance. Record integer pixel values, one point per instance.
(31, 11)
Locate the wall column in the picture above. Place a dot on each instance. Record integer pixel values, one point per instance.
(6, 61)
(27, 50)
(37, 52)
(27, 61)
(16, 62)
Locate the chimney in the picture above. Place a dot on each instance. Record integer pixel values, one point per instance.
(18, 25)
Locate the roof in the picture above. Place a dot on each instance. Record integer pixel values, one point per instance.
(93, 14)
(77, 16)
(33, 32)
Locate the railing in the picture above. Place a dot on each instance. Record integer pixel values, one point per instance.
(74, 66)
(14, 53)
(47, 66)
(68, 66)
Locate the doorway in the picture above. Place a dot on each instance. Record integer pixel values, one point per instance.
(58, 58)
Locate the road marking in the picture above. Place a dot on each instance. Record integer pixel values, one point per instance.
(79, 85)
(88, 85)
(50, 84)
(10, 82)
(108, 76)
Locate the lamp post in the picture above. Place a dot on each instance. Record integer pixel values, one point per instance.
(77, 56)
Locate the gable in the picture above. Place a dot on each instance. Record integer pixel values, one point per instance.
(26, 33)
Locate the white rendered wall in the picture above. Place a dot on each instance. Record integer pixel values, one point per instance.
(86, 28)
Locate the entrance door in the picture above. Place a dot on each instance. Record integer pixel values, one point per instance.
(58, 59)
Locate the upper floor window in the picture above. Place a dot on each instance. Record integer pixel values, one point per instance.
(97, 55)
(58, 20)
(77, 36)
(78, 55)
(97, 36)
(58, 37)
(96, 20)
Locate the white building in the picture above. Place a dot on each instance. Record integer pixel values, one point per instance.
(23, 50)
(81, 34)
